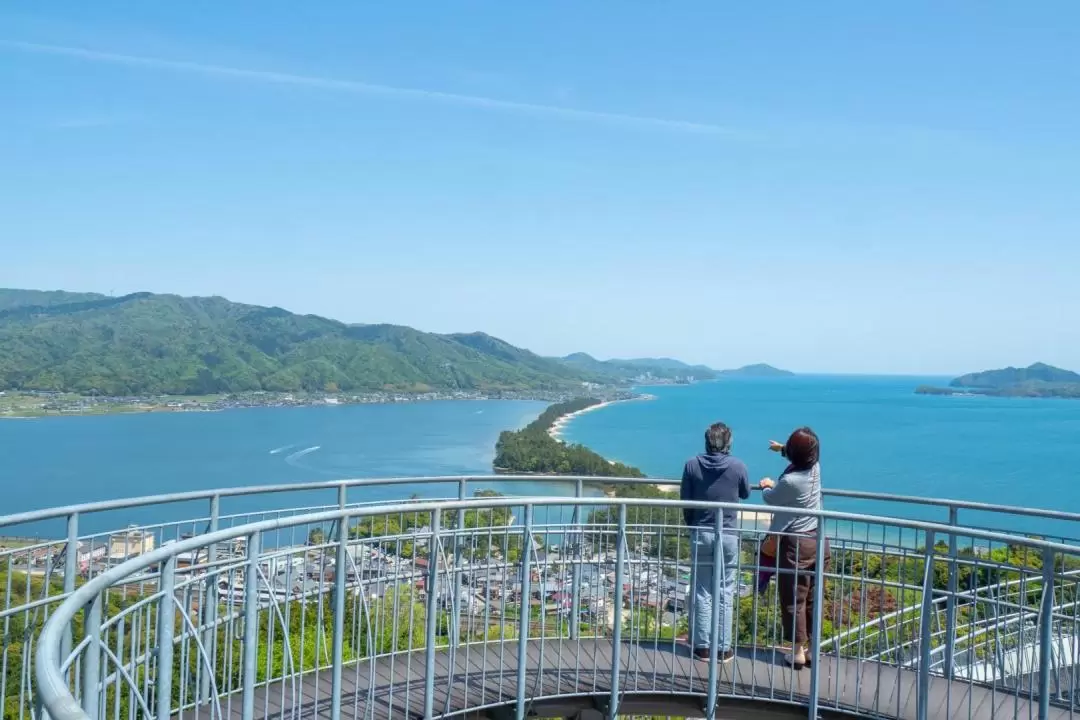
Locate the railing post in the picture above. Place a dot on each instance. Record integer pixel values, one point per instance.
(166, 625)
(455, 613)
(342, 496)
(950, 599)
(616, 639)
(432, 606)
(819, 615)
(340, 575)
(577, 559)
(210, 608)
(926, 629)
(251, 626)
(1046, 625)
(91, 664)
(71, 569)
(526, 613)
(714, 621)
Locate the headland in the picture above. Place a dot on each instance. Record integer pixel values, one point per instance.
(539, 449)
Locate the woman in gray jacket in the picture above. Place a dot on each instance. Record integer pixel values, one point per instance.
(798, 487)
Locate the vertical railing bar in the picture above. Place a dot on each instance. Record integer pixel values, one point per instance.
(210, 607)
(576, 559)
(91, 665)
(455, 612)
(1021, 655)
(185, 652)
(71, 567)
(925, 630)
(502, 615)
(616, 641)
(950, 606)
(1046, 622)
(431, 619)
(815, 633)
(754, 614)
(714, 620)
(526, 612)
(165, 627)
(117, 682)
(251, 627)
(340, 576)
(487, 601)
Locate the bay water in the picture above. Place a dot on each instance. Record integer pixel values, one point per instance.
(877, 436)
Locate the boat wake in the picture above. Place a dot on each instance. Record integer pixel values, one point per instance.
(283, 448)
(291, 459)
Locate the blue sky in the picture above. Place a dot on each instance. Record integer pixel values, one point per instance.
(845, 187)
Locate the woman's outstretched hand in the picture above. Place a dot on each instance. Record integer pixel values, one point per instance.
(766, 483)
(775, 446)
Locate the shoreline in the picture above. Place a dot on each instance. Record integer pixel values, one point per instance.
(213, 407)
(559, 426)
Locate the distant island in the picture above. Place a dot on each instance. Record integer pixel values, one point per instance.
(143, 345)
(756, 370)
(1038, 380)
(638, 370)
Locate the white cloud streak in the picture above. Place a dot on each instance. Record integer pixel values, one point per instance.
(365, 88)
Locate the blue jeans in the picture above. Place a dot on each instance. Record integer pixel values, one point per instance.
(705, 567)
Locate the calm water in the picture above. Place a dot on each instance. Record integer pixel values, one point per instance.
(52, 461)
(877, 435)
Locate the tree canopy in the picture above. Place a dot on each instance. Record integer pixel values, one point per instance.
(147, 344)
(533, 449)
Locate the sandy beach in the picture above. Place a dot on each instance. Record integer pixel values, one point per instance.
(746, 517)
(557, 427)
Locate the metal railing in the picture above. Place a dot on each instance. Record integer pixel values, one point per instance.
(427, 609)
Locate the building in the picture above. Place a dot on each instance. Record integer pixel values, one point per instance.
(129, 543)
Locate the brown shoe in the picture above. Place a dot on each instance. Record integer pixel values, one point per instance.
(727, 656)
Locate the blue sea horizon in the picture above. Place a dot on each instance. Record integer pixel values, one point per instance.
(877, 436)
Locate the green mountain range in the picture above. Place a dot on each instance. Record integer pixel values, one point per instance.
(1038, 380)
(149, 344)
(152, 344)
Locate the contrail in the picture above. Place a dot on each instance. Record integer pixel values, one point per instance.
(354, 86)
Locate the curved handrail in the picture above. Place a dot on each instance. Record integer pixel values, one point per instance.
(55, 692)
(31, 516)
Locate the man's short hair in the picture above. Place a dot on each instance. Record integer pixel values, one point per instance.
(718, 438)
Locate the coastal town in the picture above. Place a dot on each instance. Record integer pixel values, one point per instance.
(483, 584)
(27, 404)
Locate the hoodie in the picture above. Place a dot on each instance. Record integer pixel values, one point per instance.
(714, 477)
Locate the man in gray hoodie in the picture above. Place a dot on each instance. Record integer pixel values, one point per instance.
(714, 476)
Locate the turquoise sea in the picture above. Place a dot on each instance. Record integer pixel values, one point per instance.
(877, 435)
(65, 460)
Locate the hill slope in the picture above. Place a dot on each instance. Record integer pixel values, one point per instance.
(1038, 380)
(757, 370)
(147, 344)
(1037, 373)
(11, 298)
(625, 370)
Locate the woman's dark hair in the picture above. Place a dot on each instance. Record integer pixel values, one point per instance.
(718, 438)
(802, 449)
